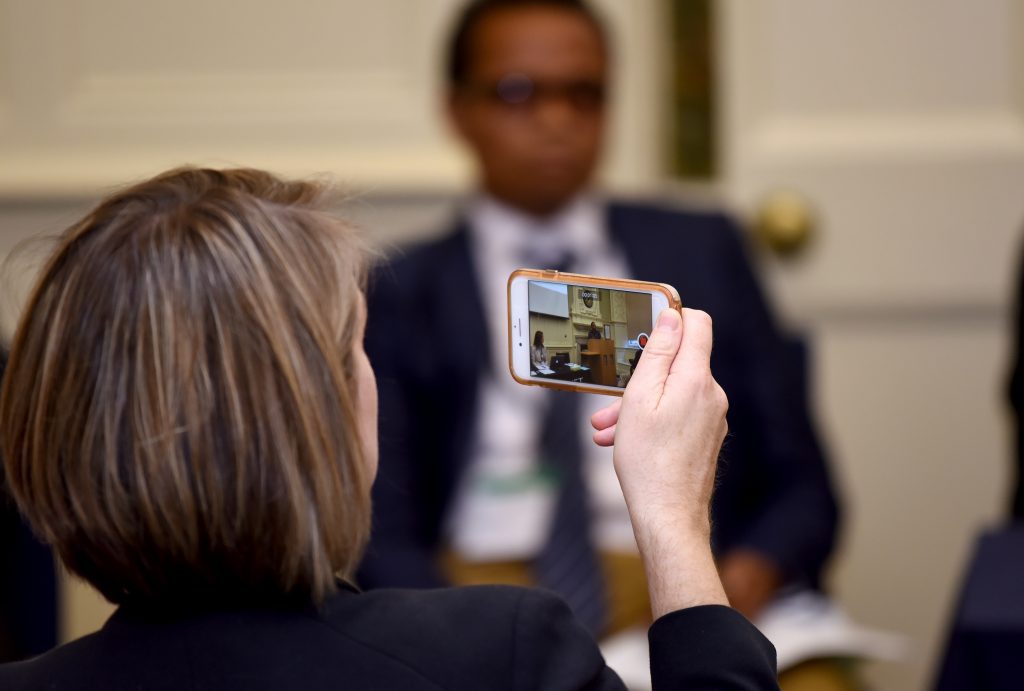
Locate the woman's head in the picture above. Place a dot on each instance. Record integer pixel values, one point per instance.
(538, 338)
(180, 415)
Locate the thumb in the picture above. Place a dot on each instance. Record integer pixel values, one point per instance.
(653, 368)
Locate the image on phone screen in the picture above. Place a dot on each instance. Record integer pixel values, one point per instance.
(585, 334)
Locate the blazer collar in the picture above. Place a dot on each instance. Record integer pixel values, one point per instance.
(459, 308)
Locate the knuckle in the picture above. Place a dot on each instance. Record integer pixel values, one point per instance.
(660, 346)
(702, 318)
(657, 350)
(720, 398)
(702, 383)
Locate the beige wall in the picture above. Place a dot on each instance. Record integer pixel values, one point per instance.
(902, 124)
(93, 94)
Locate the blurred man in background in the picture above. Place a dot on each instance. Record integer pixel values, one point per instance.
(28, 582)
(479, 481)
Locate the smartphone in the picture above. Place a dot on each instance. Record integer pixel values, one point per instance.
(580, 333)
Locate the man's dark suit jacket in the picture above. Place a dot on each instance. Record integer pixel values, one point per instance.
(428, 342)
(490, 637)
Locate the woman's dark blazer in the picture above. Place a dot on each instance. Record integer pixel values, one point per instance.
(487, 637)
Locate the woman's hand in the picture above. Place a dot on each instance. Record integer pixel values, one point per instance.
(667, 431)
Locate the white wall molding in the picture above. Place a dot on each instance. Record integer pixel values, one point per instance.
(92, 95)
(976, 133)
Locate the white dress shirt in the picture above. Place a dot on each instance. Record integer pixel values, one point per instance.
(503, 505)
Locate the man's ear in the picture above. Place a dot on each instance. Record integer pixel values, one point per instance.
(456, 109)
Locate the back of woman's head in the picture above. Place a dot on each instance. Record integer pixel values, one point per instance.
(178, 412)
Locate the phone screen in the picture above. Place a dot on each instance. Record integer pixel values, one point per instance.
(585, 334)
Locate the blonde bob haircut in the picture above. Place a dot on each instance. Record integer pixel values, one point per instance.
(178, 413)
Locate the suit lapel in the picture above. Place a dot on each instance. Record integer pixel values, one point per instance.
(617, 221)
(460, 351)
(459, 310)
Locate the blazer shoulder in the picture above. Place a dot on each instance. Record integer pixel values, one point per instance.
(66, 666)
(438, 603)
(462, 637)
(479, 636)
(666, 214)
(629, 221)
(448, 246)
(407, 269)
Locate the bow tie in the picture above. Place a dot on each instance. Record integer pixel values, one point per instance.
(561, 260)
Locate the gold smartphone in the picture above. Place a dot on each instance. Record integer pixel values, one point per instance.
(580, 333)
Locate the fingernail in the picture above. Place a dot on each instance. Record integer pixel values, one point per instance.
(668, 320)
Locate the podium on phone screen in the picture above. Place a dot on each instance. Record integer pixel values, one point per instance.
(600, 358)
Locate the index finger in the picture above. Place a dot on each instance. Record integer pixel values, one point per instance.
(695, 350)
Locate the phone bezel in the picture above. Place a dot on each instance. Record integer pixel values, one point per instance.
(518, 323)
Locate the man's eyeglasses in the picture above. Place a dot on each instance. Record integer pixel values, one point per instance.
(521, 92)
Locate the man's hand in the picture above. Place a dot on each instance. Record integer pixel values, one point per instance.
(750, 580)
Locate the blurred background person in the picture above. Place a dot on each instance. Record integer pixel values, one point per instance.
(28, 582)
(985, 633)
(28, 589)
(468, 497)
(1016, 398)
